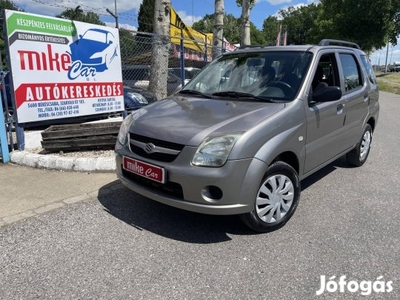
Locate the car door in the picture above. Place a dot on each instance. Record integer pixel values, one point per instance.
(356, 94)
(325, 120)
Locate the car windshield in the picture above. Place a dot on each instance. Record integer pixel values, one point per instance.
(95, 36)
(273, 75)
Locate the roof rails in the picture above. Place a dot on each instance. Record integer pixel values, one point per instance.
(249, 46)
(328, 42)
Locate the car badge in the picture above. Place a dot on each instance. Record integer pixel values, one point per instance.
(149, 148)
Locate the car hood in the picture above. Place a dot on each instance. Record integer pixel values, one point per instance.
(86, 48)
(188, 121)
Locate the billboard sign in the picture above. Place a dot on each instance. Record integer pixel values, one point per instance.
(62, 68)
(192, 39)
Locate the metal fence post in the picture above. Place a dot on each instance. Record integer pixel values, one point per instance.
(182, 50)
(3, 136)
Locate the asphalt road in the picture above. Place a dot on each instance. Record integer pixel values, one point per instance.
(122, 246)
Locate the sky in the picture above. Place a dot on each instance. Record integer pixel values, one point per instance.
(190, 11)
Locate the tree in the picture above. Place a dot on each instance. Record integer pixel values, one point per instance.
(370, 23)
(257, 36)
(246, 5)
(231, 27)
(5, 4)
(160, 51)
(146, 16)
(79, 15)
(270, 30)
(301, 24)
(218, 28)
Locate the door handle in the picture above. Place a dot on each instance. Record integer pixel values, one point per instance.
(339, 108)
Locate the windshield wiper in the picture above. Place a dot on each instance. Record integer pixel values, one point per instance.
(194, 92)
(241, 95)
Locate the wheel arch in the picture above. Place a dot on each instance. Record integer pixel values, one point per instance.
(290, 158)
(372, 123)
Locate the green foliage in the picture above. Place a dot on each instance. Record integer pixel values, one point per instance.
(257, 36)
(270, 30)
(240, 3)
(5, 4)
(301, 24)
(370, 23)
(81, 16)
(146, 16)
(231, 27)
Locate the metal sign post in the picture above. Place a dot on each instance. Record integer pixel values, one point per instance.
(3, 136)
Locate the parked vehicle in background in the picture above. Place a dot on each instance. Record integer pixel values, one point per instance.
(396, 66)
(227, 145)
(190, 72)
(135, 98)
(8, 108)
(138, 76)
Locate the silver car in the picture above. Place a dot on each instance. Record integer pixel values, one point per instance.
(240, 136)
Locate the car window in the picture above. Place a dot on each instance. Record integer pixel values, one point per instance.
(95, 36)
(326, 72)
(368, 69)
(351, 71)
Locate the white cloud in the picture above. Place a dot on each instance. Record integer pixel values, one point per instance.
(277, 2)
(52, 8)
(188, 19)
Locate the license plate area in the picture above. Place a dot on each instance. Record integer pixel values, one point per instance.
(143, 169)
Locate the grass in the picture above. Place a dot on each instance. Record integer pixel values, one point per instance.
(389, 82)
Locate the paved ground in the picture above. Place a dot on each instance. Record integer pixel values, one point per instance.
(91, 238)
(27, 191)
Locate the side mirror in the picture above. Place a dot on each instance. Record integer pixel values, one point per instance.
(327, 94)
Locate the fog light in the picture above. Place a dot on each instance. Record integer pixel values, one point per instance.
(212, 193)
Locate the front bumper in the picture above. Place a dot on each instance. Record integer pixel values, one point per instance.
(228, 190)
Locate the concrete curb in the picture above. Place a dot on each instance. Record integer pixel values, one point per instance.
(79, 164)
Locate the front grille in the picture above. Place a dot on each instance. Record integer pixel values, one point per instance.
(158, 156)
(168, 188)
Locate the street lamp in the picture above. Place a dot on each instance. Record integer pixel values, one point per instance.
(114, 14)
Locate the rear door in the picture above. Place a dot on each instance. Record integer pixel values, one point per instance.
(356, 93)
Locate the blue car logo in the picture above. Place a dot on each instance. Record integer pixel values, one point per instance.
(96, 49)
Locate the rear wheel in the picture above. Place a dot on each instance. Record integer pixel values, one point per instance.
(358, 156)
(276, 199)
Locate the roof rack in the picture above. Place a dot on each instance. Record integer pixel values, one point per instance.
(249, 46)
(328, 42)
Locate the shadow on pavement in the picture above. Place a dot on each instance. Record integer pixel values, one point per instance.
(310, 180)
(145, 214)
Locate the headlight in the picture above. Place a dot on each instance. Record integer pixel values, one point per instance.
(214, 150)
(138, 97)
(124, 130)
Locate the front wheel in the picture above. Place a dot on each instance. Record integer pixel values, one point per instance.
(276, 199)
(358, 156)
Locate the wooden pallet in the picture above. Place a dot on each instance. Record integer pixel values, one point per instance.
(73, 137)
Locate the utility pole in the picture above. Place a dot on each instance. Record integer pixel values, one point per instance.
(161, 46)
(245, 18)
(218, 28)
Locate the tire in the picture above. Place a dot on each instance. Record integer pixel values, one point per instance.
(280, 187)
(358, 156)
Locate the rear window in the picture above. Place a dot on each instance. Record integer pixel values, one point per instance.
(368, 68)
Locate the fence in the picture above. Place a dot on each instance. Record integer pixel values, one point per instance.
(185, 57)
(136, 50)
